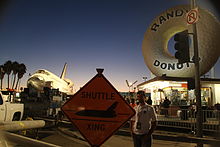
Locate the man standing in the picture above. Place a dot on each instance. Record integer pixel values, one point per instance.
(166, 105)
(143, 123)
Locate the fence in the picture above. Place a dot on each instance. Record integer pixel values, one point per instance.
(186, 118)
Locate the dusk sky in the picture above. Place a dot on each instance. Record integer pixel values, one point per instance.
(86, 34)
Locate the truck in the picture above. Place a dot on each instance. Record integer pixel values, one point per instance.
(44, 103)
(9, 110)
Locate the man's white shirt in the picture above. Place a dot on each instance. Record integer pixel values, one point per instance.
(145, 114)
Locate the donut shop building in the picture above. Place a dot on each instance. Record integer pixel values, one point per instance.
(177, 90)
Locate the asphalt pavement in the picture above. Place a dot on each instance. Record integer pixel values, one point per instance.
(161, 139)
(68, 137)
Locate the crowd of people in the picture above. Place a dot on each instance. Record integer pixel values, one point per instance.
(164, 105)
(144, 122)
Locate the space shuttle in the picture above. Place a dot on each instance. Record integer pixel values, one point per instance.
(43, 78)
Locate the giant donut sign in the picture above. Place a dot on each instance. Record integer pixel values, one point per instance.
(155, 43)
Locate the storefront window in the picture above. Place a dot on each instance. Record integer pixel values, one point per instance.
(206, 96)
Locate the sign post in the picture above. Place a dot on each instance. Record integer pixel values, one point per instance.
(194, 17)
(97, 110)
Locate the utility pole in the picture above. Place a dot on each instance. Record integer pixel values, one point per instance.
(199, 127)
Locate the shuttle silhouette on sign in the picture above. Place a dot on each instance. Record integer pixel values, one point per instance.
(109, 113)
(43, 78)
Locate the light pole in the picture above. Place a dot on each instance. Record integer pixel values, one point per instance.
(130, 85)
(199, 131)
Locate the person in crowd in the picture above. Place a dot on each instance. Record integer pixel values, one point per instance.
(143, 123)
(217, 111)
(166, 105)
(217, 106)
(132, 103)
(149, 101)
(128, 100)
(137, 102)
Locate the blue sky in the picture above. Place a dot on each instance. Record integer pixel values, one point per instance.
(86, 34)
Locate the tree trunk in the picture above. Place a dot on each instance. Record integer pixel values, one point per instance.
(8, 81)
(17, 84)
(14, 81)
(1, 83)
(11, 81)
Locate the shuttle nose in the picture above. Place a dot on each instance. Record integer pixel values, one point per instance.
(36, 82)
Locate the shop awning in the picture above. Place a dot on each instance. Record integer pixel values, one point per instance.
(166, 78)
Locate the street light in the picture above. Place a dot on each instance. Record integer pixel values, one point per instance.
(133, 84)
(130, 84)
(145, 79)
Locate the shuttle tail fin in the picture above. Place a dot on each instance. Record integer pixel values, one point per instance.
(64, 71)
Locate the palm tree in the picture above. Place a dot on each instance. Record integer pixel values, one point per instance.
(2, 73)
(8, 69)
(21, 72)
(15, 71)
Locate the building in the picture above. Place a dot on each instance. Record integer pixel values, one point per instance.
(178, 90)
